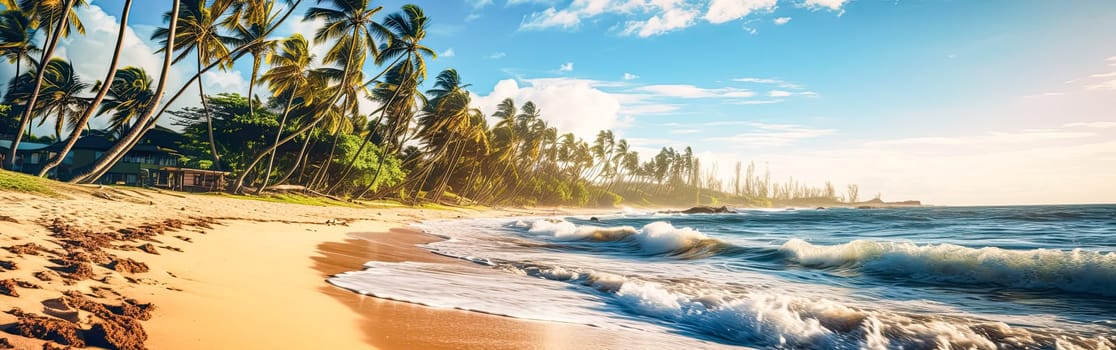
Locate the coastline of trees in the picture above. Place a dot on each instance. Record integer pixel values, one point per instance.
(307, 130)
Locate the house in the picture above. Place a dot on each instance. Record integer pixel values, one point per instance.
(153, 162)
(30, 157)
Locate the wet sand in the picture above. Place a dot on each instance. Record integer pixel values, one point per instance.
(251, 275)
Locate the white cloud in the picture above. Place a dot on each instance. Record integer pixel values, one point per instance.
(758, 102)
(773, 135)
(669, 20)
(551, 18)
(690, 91)
(1091, 125)
(571, 105)
(993, 137)
(721, 11)
(566, 67)
(834, 5)
(1045, 94)
(630, 76)
(770, 81)
(226, 81)
(497, 55)
(779, 93)
(1104, 85)
(645, 18)
(449, 53)
(476, 4)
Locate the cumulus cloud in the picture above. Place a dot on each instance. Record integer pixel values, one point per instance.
(448, 53)
(630, 76)
(834, 5)
(671, 19)
(566, 67)
(779, 93)
(721, 11)
(781, 20)
(571, 105)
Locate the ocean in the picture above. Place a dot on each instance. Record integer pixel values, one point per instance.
(1019, 277)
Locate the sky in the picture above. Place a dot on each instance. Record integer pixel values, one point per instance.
(948, 102)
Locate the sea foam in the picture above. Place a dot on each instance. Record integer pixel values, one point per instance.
(1074, 270)
(655, 238)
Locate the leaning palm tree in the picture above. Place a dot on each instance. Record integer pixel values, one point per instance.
(199, 33)
(251, 22)
(16, 39)
(145, 119)
(61, 96)
(59, 17)
(102, 91)
(128, 97)
(398, 92)
(287, 76)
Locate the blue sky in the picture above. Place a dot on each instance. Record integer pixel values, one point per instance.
(952, 102)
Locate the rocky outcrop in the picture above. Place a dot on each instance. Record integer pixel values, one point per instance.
(708, 210)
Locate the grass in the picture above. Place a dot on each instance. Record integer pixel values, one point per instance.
(12, 181)
(293, 199)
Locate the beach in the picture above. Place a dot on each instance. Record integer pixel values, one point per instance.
(242, 273)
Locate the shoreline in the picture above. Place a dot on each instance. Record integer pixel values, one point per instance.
(252, 274)
(390, 324)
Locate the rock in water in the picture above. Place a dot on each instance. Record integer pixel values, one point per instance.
(708, 210)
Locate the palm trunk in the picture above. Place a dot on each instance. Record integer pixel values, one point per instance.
(298, 161)
(25, 119)
(240, 179)
(440, 190)
(278, 134)
(128, 141)
(209, 118)
(232, 53)
(323, 171)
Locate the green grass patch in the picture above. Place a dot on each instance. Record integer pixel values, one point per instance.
(12, 181)
(294, 199)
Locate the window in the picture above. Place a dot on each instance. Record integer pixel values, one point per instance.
(34, 158)
(69, 160)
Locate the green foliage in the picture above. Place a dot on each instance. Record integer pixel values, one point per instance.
(238, 134)
(366, 164)
(11, 181)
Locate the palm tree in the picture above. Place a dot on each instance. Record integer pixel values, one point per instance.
(351, 24)
(199, 32)
(102, 91)
(251, 21)
(61, 87)
(59, 96)
(446, 117)
(129, 96)
(145, 119)
(16, 39)
(288, 74)
(59, 16)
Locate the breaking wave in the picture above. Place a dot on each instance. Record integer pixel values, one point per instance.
(1074, 271)
(656, 238)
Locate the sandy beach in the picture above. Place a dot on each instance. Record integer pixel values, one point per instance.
(232, 273)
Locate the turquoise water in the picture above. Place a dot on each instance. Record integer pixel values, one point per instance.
(1029, 277)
